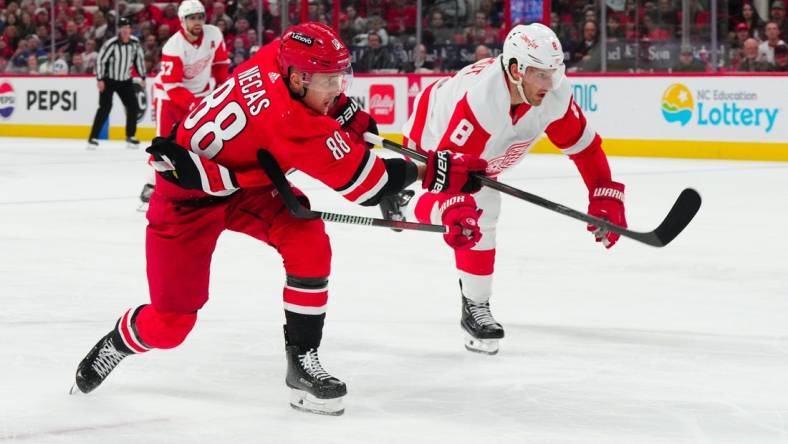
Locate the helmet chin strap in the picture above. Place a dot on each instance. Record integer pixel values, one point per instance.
(517, 83)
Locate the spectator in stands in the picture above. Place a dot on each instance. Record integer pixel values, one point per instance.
(219, 12)
(100, 28)
(437, 33)
(749, 61)
(688, 62)
(163, 33)
(89, 56)
(455, 12)
(351, 25)
(666, 16)
(481, 32)
(420, 63)
(241, 26)
(3, 63)
(31, 65)
(751, 19)
(742, 33)
(615, 31)
(73, 39)
(766, 48)
(585, 53)
(378, 26)
(780, 58)
(150, 13)
(55, 64)
(652, 32)
(376, 56)
(169, 18)
(401, 17)
(150, 45)
(777, 15)
(481, 52)
(78, 65)
(35, 48)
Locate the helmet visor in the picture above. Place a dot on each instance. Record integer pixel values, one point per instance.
(333, 82)
(548, 79)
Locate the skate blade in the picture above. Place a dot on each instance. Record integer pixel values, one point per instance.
(143, 208)
(75, 390)
(132, 146)
(303, 401)
(484, 346)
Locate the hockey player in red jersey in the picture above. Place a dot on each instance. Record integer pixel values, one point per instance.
(193, 61)
(210, 181)
(496, 109)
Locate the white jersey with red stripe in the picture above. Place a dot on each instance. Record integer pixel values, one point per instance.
(471, 112)
(189, 65)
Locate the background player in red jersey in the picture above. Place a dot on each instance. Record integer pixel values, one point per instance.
(496, 109)
(210, 181)
(193, 61)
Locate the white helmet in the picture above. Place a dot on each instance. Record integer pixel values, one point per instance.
(533, 45)
(189, 7)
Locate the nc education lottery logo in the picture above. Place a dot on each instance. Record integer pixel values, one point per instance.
(677, 104)
(7, 100)
(717, 108)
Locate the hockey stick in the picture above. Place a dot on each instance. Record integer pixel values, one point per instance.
(299, 211)
(679, 216)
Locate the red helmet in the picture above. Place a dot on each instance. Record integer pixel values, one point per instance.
(314, 48)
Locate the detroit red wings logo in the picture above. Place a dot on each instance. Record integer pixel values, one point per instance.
(192, 70)
(510, 157)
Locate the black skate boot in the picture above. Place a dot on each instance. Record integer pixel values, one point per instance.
(147, 191)
(313, 389)
(483, 330)
(391, 206)
(100, 361)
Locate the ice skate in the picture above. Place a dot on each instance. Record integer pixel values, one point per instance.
(392, 205)
(482, 330)
(312, 388)
(147, 191)
(99, 362)
(132, 143)
(92, 145)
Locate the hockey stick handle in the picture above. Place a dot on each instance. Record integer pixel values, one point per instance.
(294, 206)
(679, 216)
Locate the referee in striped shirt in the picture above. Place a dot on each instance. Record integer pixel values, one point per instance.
(113, 71)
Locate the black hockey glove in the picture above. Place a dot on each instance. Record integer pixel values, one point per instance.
(175, 163)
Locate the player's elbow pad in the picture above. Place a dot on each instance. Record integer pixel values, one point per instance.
(401, 174)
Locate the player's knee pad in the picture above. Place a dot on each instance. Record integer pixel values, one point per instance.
(305, 249)
(160, 329)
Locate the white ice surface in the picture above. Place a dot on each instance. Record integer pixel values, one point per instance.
(688, 343)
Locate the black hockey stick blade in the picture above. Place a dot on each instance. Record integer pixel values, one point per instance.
(679, 216)
(298, 210)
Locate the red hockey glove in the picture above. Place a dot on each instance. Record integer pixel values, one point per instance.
(607, 202)
(460, 214)
(353, 119)
(449, 172)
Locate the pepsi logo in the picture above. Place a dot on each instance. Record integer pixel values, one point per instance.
(7, 100)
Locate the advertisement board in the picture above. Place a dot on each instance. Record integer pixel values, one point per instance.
(727, 117)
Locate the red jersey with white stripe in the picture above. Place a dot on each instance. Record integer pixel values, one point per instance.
(254, 110)
(191, 69)
(471, 112)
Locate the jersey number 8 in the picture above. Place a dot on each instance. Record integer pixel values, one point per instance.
(209, 138)
(461, 133)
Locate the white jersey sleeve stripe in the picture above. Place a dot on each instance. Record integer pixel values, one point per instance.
(582, 143)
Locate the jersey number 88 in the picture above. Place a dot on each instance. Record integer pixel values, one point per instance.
(209, 138)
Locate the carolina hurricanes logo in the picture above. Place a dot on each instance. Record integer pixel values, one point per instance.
(194, 69)
(512, 156)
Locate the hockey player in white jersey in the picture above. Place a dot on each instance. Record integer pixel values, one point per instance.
(497, 109)
(193, 61)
